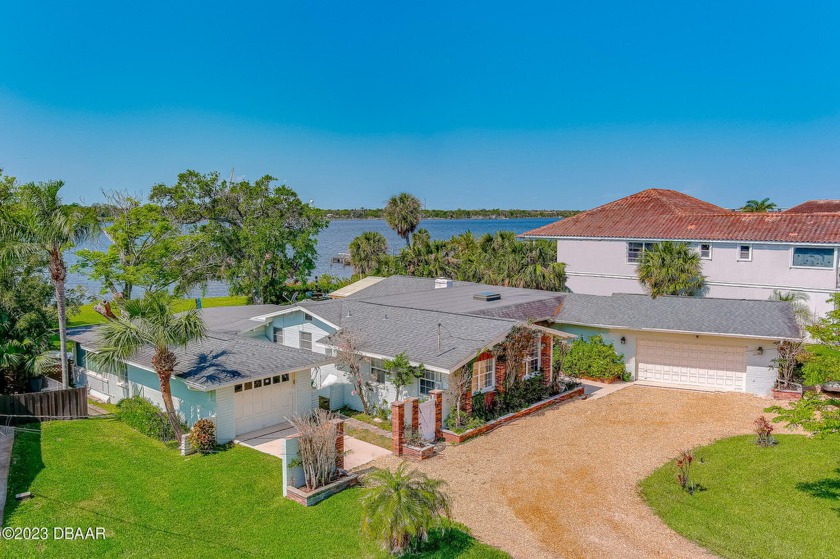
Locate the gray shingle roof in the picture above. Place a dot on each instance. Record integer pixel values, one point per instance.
(731, 317)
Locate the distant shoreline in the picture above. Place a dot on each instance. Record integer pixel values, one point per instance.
(444, 215)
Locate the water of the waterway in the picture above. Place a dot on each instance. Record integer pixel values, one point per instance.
(337, 236)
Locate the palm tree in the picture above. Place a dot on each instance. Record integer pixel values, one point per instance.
(799, 302)
(367, 251)
(759, 206)
(670, 268)
(402, 214)
(401, 507)
(41, 225)
(151, 323)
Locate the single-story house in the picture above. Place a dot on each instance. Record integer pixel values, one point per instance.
(259, 364)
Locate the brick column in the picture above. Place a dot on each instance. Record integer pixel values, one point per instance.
(501, 367)
(339, 442)
(438, 397)
(415, 413)
(397, 427)
(546, 357)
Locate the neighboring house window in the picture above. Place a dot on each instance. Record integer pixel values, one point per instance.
(745, 252)
(378, 371)
(429, 381)
(706, 251)
(306, 340)
(278, 335)
(532, 362)
(636, 249)
(484, 375)
(810, 257)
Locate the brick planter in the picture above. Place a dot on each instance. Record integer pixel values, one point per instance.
(453, 437)
(601, 380)
(308, 498)
(418, 453)
(789, 395)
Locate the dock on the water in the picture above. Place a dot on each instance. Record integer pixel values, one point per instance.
(342, 258)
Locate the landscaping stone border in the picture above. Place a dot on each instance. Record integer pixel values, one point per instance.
(418, 453)
(453, 437)
(309, 498)
(788, 395)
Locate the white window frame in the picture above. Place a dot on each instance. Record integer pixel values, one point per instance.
(793, 254)
(700, 251)
(645, 246)
(378, 370)
(301, 335)
(489, 372)
(529, 360)
(749, 258)
(429, 379)
(278, 339)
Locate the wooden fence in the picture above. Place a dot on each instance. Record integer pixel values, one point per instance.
(55, 404)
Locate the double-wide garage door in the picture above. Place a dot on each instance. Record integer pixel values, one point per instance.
(702, 366)
(264, 402)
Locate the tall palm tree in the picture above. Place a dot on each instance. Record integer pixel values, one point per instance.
(402, 214)
(151, 323)
(401, 507)
(367, 251)
(759, 206)
(670, 268)
(40, 224)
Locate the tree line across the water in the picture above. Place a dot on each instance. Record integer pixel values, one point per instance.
(496, 213)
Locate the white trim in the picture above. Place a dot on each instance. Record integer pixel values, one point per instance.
(678, 240)
(671, 331)
(265, 317)
(827, 290)
(483, 389)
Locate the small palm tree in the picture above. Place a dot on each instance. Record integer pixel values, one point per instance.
(402, 214)
(400, 508)
(151, 323)
(759, 206)
(799, 303)
(670, 268)
(41, 225)
(367, 251)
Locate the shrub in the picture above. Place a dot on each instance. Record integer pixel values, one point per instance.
(318, 455)
(683, 463)
(763, 432)
(814, 412)
(821, 364)
(594, 358)
(202, 436)
(142, 415)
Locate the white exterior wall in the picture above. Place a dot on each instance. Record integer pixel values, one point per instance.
(760, 373)
(600, 267)
(294, 323)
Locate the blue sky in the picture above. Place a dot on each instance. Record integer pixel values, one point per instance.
(465, 104)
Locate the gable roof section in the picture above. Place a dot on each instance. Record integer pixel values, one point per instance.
(725, 317)
(815, 206)
(656, 214)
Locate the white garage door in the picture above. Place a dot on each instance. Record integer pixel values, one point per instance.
(706, 366)
(263, 402)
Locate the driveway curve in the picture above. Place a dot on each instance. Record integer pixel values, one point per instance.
(563, 482)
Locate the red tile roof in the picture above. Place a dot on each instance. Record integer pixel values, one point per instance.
(815, 206)
(668, 214)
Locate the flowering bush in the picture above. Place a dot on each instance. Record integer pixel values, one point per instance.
(683, 463)
(764, 432)
(202, 436)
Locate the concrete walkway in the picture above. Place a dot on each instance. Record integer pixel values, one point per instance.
(594, 390)
(7, 439)
(270, 441)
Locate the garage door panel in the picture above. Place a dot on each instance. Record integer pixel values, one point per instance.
(264, 405)
(692, 365)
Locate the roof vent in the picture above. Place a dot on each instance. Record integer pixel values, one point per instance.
(443, 283)
(487, 296)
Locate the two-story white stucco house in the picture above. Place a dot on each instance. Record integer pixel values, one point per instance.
(744, 255)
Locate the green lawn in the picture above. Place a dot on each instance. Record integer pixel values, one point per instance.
(154, 503)
(361, 416)
(87, 315)
(779, 502)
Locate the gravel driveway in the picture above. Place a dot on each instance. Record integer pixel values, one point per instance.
(563, 482)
